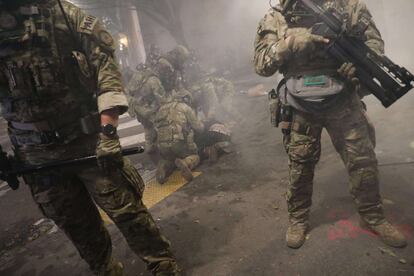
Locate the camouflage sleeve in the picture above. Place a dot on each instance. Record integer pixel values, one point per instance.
(143, 111)
(372, 35)
(147, 100)
(271, 50)
(193, 120)
(133, 84)
(157, 89)
(227, 86)
(98, 45)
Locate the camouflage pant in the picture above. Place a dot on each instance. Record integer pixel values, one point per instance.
(350, 133)
(150, 138)
(67, 196)
(169, 152)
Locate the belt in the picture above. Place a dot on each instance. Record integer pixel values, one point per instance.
(45, 132)
(46, 125)
(310, 72)
(62, 136)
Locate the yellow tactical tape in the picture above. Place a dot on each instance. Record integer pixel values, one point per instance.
(155, 192)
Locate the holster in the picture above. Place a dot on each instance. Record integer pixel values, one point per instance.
(281, 113)
(274, 108)
(286, 118)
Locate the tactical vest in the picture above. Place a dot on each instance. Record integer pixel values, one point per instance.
(171, 124)
(138, 81)
(43, 92)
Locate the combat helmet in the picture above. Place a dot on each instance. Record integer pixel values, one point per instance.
(178, 57)
(166, 73)
(184, 96)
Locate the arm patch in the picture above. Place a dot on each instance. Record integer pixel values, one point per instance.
(88, 24)
(106, 38)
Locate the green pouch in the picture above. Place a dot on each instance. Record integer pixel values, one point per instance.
(311, 81)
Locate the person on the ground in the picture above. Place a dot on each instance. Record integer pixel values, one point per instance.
(319, 93)
(214, 141)
(61, 93)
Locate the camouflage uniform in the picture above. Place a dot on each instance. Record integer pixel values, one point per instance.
(205, 98)
(225, 92)
(47, 94)
(344, 120)
(177, 57)
(213, 95)
(167, 74)
(145, 95)
(176, 123)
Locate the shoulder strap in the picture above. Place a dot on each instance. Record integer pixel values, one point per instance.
(70, 27)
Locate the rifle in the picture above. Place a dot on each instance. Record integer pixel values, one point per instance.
(9, 169)
(386, 80)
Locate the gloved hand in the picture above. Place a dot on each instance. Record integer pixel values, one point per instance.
(302, 42)
(348, 72)
(109, 154)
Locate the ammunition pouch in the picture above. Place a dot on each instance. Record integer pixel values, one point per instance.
(303, 129)
(170, 133)
(86, 73)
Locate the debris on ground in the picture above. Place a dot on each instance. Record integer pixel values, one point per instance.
(387, 251)
(257, 91)
(387, 201)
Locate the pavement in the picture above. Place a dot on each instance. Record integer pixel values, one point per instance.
(231, 220)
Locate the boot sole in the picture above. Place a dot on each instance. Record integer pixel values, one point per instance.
(299, 244)
(185, 171)
(365, 226)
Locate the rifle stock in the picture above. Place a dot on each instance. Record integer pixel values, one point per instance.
(386, 80)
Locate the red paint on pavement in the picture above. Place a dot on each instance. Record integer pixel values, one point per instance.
(346, 229)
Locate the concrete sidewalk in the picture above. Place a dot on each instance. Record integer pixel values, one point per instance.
(232, 219)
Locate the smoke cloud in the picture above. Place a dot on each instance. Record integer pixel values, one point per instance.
(224, 30)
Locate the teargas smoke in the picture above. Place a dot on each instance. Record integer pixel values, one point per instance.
(223, 30)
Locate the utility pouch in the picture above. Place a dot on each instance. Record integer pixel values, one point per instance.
(165, 134)
(90, 124)
(86, 74)
(274, 108)
(314, 88)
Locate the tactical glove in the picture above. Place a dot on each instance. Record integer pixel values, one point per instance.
(303, 42)
(109, 154)
(348, 72)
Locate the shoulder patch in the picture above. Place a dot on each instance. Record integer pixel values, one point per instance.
(106, 38)
(88, 24)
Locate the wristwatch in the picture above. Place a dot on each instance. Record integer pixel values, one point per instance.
(109, 130)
